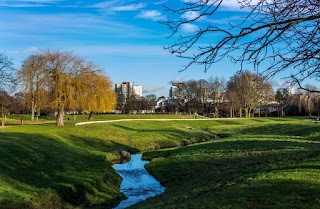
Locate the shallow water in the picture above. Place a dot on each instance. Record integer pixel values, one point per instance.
(137, 184)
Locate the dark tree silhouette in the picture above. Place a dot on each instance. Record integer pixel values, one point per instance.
(272, 36)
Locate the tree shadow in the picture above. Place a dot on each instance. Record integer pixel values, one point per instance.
(293, 130)
(169, 137)
(226, 173)
(77, 170)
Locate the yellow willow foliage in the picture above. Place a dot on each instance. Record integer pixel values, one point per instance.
(66, 82)
(96, 93)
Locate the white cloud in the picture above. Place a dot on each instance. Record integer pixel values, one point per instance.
(176, 80)
(228, 4)
(27, 3)
(106, 4)
(130, 7)
(281, 84)
(152, 89)
(190, 15)
(122, 50)
(38, 1)
(118, 6)
(154, 15)
(189, 28)
(22, 27)
(160, 2)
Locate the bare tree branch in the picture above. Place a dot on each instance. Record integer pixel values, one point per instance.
(273, 36)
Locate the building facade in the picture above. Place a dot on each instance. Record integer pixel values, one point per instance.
(127, 89)
(175, 89)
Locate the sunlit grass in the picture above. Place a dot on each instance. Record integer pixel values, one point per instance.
(42, 163)
(270, 164)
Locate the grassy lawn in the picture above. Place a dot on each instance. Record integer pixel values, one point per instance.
(258, 162)
(44, 166)
(267, 164)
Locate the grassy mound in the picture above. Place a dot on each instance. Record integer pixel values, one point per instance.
(262, 163)
(44, 166)
(255, 160)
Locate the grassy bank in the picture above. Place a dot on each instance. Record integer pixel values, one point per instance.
(265, 164)
(44, 166)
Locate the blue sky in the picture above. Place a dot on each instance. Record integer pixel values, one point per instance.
(121, 36)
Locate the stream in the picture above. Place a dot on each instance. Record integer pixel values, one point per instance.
(137, 184)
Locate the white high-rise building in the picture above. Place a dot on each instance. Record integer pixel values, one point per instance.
(290, 90)
(137, 90)
(175, 88)
(127, 89)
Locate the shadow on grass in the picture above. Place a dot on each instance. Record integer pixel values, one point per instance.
(169, 137)
(237, 174)
(303, 130)
(78, 174)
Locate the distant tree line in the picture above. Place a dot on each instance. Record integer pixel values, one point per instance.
(245, 94)
(55, 82)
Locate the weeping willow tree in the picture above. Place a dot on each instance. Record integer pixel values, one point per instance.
(96, 93)
(70, 83)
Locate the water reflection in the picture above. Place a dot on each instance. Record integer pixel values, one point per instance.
(137, 184)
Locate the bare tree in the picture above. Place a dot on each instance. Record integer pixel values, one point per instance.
(281, 35)
(252, 90)
(192, 92)
(232, 102)
(5, 102)
(282, 98)
(217, 88)
(309, 98)
(6, 72)
(32, 76)
(6, 82)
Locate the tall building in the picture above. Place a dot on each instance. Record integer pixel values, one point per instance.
(126, 89)
(174, 90)
(287, 90)
(137, 90)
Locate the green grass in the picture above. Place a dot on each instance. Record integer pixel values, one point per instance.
(15, 119)
(42, 163)
(270, 164)
(44, 166)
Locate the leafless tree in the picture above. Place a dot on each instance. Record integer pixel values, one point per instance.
(6, 82)
(232, 102)
(273, 36)
(193, 93)
(32, 78)
(252, 90)
(309, 98)
(6, 72)
(283, 98)
(217, 88)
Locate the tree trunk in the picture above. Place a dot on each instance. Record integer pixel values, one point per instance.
(216, 110)
(240, 112)
(2, 113)
(231, 114)
(32, 110)
(38, 114)
(90, 115)
(246, 112)
(60, 117)
(2, 127)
